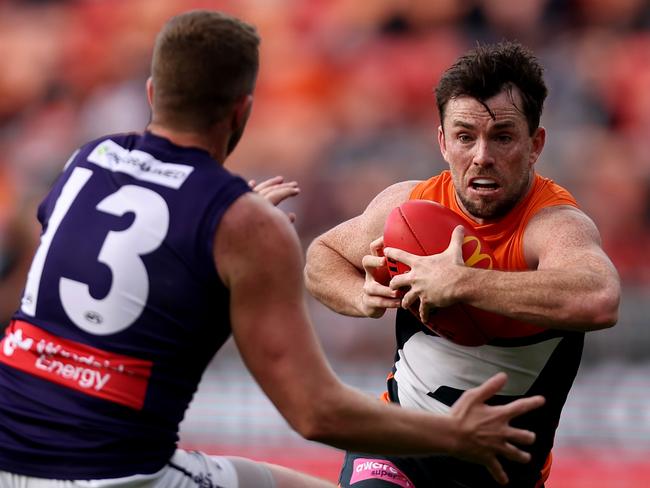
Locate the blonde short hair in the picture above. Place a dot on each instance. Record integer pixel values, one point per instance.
(203, 61)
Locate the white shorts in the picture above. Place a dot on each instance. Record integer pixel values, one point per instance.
(186, 469)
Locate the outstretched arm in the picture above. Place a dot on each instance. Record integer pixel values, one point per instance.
(259, 259)
(573, 286)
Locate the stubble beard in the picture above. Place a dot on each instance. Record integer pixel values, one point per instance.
(489, 209)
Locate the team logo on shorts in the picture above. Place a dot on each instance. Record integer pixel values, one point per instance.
(365, 469)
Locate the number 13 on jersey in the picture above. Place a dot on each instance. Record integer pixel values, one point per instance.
(121, 251)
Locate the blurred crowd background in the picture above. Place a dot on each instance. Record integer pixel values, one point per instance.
(345, 106)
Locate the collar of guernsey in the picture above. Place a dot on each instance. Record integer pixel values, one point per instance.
(505, 236)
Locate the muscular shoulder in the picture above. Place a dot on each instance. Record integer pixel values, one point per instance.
(391, 197)
(374, 216)
(254, 235)
(354, 235)
(559, 231)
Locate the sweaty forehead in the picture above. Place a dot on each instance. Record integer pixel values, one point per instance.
(504, 106)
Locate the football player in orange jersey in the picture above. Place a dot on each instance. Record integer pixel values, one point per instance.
(551, 282)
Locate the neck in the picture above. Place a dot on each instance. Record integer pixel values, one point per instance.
(214, 143)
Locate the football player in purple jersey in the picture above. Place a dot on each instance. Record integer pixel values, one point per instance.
(152, 255)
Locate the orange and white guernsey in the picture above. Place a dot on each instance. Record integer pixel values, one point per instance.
(431, 372)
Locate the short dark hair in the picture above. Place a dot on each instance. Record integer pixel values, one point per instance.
(488, 69)
(203, 61)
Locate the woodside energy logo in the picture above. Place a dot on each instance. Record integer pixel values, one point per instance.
(114, 377)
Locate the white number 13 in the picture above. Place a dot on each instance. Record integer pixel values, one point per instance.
(121, 252)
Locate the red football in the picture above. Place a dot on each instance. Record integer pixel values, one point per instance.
(424, 227)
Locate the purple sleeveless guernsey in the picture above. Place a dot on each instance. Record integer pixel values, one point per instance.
(122, 311)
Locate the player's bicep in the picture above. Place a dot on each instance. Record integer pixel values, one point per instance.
(567, 246)
(348, 240)
(564, 238)
(351, 239)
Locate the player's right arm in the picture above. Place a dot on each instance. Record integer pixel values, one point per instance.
(340, 263)
(259, 259)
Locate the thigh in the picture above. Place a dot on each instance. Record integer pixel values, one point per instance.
(197, 470)
(372, 471)
(193, 469)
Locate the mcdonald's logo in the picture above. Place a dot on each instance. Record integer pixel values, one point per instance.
(477, 256)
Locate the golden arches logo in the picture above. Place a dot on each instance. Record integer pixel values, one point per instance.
(477, 256)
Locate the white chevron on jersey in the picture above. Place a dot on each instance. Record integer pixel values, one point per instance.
(428, 362)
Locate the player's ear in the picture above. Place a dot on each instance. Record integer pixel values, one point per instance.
(242, 110)
(442, 142)
(538, 139)
(149, 88)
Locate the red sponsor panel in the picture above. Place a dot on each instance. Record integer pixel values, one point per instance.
(102, 374)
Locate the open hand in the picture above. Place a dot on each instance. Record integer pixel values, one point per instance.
(276, 190)
(487, 430)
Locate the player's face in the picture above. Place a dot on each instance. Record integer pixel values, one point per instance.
(491, 159)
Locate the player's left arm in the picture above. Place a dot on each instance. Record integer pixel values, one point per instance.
(575, 285)
(572, 285)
